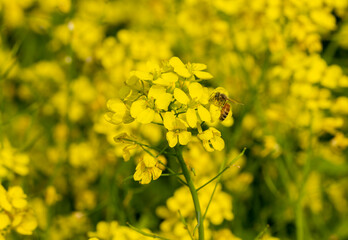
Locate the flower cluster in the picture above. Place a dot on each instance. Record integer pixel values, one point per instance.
(113, 230)
(170, 95)
(220, 210)
(15, 213)
(12, 162)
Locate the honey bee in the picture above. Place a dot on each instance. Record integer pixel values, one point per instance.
(221, 100)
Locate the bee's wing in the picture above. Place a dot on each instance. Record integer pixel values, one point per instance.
(212, 97)
(235, 101)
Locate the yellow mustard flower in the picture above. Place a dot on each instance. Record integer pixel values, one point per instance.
(113, 230)
(118, 111)
(147, 169)
(194, 103)
(225, 233)
(177, 130)
(14, 211)
(51, 195)
(81, 154)
(141, 111)
(212, 140)
(186, 71)
(12, 162)
(24, 223)
(339, 141)
(4, 220)
(179, 67)
(161, 97)
(220, 209)
(167, 79)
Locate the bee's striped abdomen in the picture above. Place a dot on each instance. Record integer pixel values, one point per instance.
(224, 111)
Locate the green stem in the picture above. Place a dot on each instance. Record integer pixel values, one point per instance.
(146, 234)
(219, 178)
(222, 171)
(193, 192)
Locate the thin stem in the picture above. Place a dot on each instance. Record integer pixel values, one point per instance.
(185, 224)
(193, 193)
(173, 173)
(205, 184)
(162, 151)
(162, 175)
(221, 172)
(262, 233)
(117, 139)
(300, 221)
(146, 234)
(170, 174)
(218, 181)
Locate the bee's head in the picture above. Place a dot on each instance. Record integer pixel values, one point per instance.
(222, 96)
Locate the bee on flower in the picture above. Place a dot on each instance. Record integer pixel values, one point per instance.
(170, 95)
(221, 100)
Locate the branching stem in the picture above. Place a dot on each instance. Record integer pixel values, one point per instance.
(193, 191)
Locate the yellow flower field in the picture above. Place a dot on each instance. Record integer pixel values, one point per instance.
(173, 119)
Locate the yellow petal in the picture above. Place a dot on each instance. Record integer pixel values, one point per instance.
(18, 197)
(215, 131)
(180, 124)
(184, 137)
(137, 175)
(169, 77)
(169, 120)
(196, 90)
(137, 108)
(172, 139)
(198, 66)
(204, 114)
(191, 117)
(116, 105)
(218, 143)
(146, 116)
(146, 178)
(179, 67)
(143, 75)
(155, 91)
(132, 80)
(19, 203)
(161, 81)
(152, 66)
(163, 101)
(205, 96)
(113, 118)
(181, 96)
(27, 225)
(4, 220)
(125, 154)
(215, 112)
(206, 135)
(17, 220)
(156, 173)
(149, 161)
(202, 75)
(4, 203)
(207, 146)
(124, 92)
